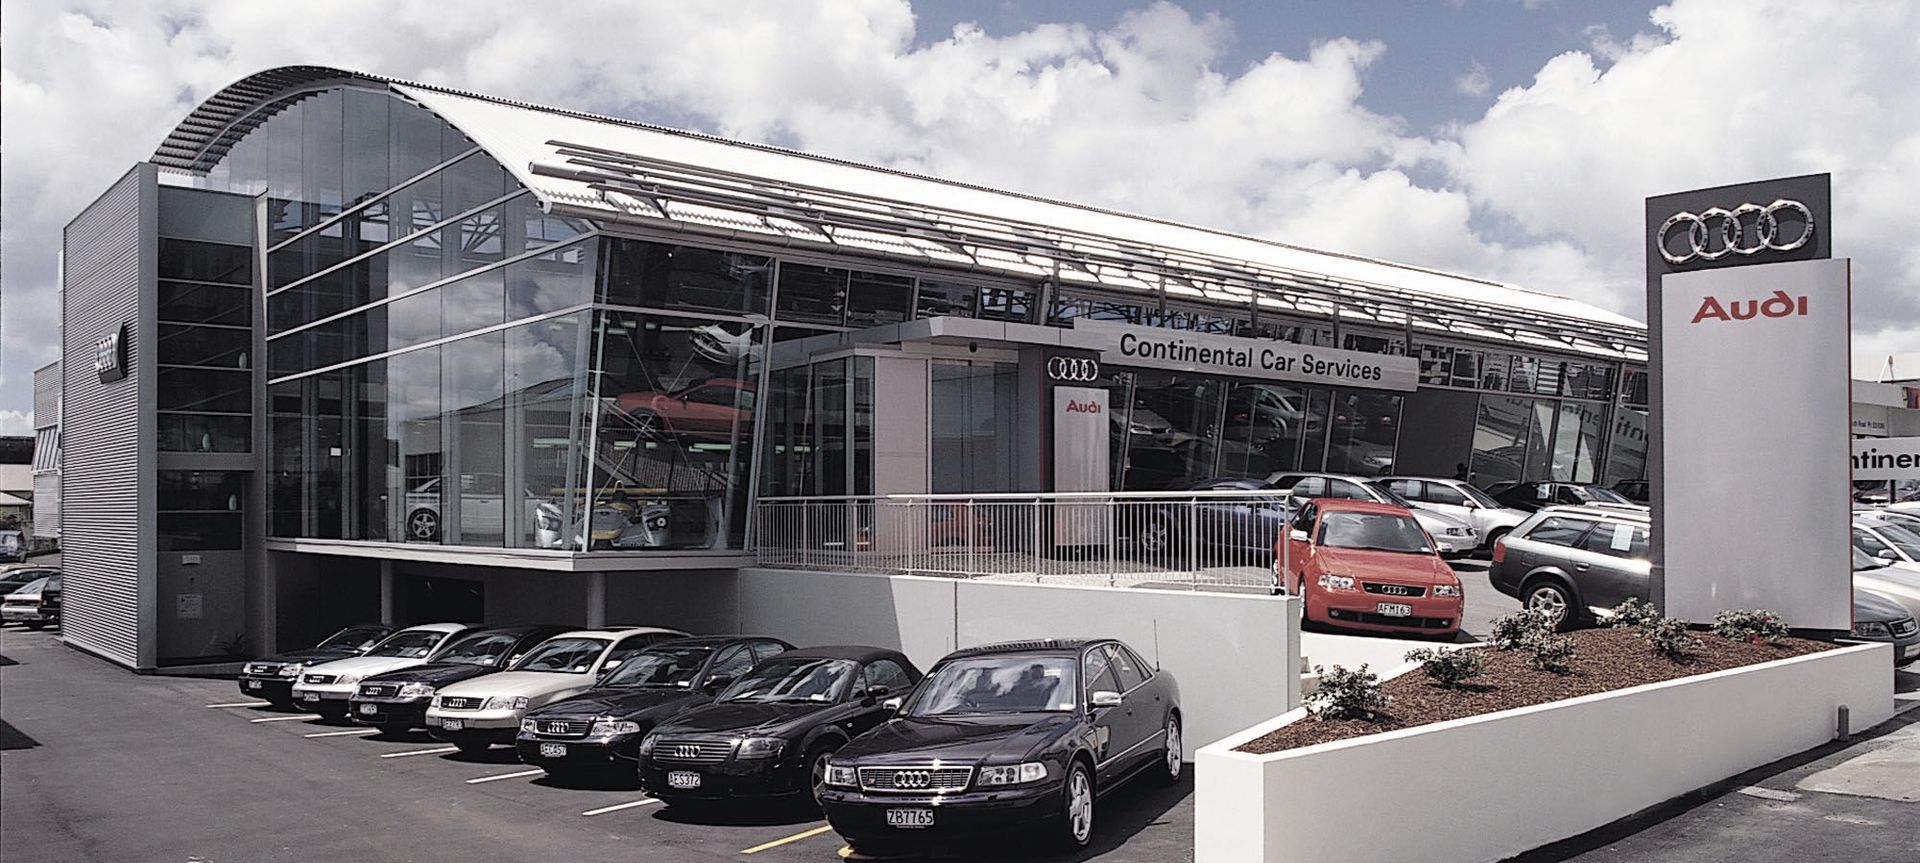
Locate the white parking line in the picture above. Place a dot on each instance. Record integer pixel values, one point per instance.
(496, 778)
(284, 718)
(619, 806)
(350, 731)
(241, 704)
(436, 751)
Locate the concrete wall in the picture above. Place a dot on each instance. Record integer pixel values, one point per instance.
(1489, 787)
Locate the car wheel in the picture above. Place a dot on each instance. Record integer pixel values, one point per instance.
(423, 525)
(1173, 756)
(1497, 534)
(472, 747)
(1076, 821)
(645, 423)
(817, 770)
(36, 625)
(1552, 599)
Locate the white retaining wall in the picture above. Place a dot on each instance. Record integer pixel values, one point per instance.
(1489, 787)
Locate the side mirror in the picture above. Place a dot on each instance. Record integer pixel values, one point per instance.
(1298, 536)
(1888, 554)
(1104, 699)
(876, 691)
(891, 705)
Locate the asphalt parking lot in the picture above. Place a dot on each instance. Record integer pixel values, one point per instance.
(100, 764)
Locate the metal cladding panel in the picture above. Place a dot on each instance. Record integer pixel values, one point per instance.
(46, 505)
(46, 396)
(109, 266)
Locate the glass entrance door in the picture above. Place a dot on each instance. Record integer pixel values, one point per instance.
(973, 417)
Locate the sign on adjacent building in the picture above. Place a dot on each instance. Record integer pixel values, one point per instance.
(1182, 350)
(1887, 458)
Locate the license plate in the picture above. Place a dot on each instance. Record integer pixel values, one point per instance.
(453, 724)
(1910, 650)
(556, 750)
(683, 779)
(253, 684)
(909, 817)
(1394, 609)
(309, 696)
(369, 709)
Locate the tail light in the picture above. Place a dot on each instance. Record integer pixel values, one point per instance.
(1500, 549)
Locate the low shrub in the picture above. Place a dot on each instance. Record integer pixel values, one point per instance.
(1447, 667)
(1669, 637)
(1754, 626)
(1346, 694)
(1516, 630)
(1550, 653)
(1633, 612)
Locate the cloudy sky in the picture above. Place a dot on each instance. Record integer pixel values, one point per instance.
(1511, 139)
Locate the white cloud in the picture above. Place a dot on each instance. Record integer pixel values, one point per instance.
(1475, 82)
(16, 422)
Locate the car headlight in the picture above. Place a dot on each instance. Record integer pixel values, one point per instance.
(506, 702)
(291, 669)
(760, 747)
(615, 726)
(1446, 590)
(842, 776)
(347, 679)
(1872, 628)
(416, 690)
(526, 725)
(1336, 582)
(1013, 774)
(647, 742)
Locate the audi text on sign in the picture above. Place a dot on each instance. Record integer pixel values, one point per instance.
(1730, 229)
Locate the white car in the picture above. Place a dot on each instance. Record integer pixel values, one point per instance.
(1459, 499)
(483, 501)
(475, 714)
(1451, 536)
(325, 688)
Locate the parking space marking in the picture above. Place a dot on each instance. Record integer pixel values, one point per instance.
(497, 777)
(350, 731)
(241, 704)
(619, 806)
(788, 840)
(284, 718)
(440, 750)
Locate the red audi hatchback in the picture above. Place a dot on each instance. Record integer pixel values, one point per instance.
(1367, 565)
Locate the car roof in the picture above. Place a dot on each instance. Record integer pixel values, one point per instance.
(1039, 645)
(715, 640)
(1614, 511)
(519, 629)
(616, 632)
(855, 652)
(435, 627)
(1345, 504)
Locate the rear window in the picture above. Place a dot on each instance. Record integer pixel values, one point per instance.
(1558, 530)
(1617, 539)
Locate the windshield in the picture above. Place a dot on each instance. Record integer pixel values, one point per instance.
(480, 648)
(660, 667)
(1901, 537)
(355, 638)
(1374, 532)
(998, 684)
(569, 655)
(1477, 496)
(412, 644)
(791, 679)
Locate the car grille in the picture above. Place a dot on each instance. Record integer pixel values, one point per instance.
(265, 668)
(693, 751)
(380, 690)
(1904, 627)
(1393, 589)
(1383, 620)
(318, 679)
(912, 780)
(457, 702)
(562, 727)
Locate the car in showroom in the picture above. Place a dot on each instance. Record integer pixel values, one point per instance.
(715, 410)
(601, 729)
(14, 579)
(1366, 565)
(272, 677)
(1571, 562)
(771, 732)
(475, 714)
(397, 700)
(1531, 496)
(1451, 536)
(1457, 498)
(36, 604)
(1021, 735)
(326, 687)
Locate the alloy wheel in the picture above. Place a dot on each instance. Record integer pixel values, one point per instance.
(1175, 757)
(1080, 806)
(1547, 600)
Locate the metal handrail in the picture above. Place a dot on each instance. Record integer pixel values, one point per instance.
(1282, 494)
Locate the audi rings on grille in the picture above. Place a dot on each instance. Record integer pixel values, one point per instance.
(1732, 225)
(912, 779)
(1078, 370)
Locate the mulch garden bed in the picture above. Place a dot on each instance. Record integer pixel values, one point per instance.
(1604, 660)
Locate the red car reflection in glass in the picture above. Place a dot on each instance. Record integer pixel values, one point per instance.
(1367, 565)
(711, 410)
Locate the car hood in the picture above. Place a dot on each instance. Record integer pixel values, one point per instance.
(744, 716)
(311, 655)
(1386, 566)
(633, 705)
(971, 739)
(531, 684)
(436, 674)
(1874, 607)
(363, 665)
(1436, 522)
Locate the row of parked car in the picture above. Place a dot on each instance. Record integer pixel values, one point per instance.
(1013, 735)
(31, 595)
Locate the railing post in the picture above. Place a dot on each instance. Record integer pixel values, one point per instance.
(1035, 509)
(1112, 558)
(1193, 543)
(973, 543)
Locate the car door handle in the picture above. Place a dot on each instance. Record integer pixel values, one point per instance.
(1583, 567)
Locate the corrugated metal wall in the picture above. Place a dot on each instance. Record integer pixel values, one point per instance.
(108, 267)
(46, 451)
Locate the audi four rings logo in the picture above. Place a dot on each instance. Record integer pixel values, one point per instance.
(912, 779)
(1078, 370)
(686, 752)
(1716, 233)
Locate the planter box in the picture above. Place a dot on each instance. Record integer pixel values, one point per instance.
(1489, 787)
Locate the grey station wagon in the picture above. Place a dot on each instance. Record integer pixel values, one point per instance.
(1564, 560)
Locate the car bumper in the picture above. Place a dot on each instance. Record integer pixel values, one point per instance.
(496, 726)
(24, 615)
(1906, 648)
(402, 712)
(1455, 545)
(331, 695)
(1504, 579)
(270, 688)
(862, 817)
(1362, 611)
(620, 750)
(756, 777)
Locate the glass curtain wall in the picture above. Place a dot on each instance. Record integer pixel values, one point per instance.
(204, 361)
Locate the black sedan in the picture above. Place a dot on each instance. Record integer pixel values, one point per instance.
(602, 727)
(770, 733)
(272, 677)
(1017, 735)
(397, 700)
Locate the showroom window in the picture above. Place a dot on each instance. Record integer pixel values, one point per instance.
(199, 510)
(204, 358)
(666, 276)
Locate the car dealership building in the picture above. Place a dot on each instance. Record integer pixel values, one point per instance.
(353, 348)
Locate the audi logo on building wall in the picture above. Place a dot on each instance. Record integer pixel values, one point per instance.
(1073, 370)
(1745, 230)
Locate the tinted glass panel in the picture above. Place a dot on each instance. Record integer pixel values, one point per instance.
(205, 346)
(192, 260)
(944, 298)
(191, 303)
(198, 531)
(812, 294)
(874, 299)
(204, 390)
(659, 275)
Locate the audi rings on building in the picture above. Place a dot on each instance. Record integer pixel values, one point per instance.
(1732, 226)
(1075, 370)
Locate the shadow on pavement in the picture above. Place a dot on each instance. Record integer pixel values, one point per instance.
(1121, 817)
(795, 809)
(603, 780)
(12, 738)
(494, 755)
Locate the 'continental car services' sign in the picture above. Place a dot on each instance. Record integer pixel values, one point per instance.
(1887, 458)
(1153, 347)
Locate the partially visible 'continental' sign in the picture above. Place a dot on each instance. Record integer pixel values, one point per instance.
(1879, 459)
(1153, 347)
